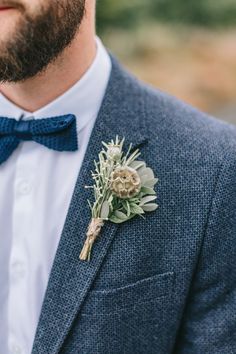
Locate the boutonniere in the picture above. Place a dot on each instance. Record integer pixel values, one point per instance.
(123, 188)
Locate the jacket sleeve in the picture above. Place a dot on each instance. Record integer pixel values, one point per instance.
(209, 322)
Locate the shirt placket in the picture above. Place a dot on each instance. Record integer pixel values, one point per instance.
(18, 305)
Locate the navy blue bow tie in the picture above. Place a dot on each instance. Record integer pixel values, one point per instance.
(57, 133)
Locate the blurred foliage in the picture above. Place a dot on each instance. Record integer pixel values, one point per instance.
(184, 47)
(128, 14)
(121, 13)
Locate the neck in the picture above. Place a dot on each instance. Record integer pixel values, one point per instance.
(58, 77)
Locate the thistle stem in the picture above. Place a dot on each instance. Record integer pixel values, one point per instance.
(93, 232)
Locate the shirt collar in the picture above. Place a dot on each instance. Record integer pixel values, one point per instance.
(83, 99)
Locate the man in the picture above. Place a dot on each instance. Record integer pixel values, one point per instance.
(165, 283)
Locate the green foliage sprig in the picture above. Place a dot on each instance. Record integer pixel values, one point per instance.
(108, 205)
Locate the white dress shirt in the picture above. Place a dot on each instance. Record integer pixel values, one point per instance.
(36, 188)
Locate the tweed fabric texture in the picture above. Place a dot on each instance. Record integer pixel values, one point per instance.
(57, 133)
(166, 283)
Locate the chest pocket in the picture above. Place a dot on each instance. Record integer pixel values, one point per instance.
(130, 319)
(132, 296)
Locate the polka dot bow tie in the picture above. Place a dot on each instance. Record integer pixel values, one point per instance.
(57, 133)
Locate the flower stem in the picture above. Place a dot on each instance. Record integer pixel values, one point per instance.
(93, 232)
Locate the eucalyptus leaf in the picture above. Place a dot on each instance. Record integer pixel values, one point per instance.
(144, 178)
(116, 220)
(137, 164)
(149, 173)
(135, 209)
(146, 171)
(150, 182)
(147, 199)
(120, 215)
(105, 210)
(141, 170)
(150, 207)
(148, 190)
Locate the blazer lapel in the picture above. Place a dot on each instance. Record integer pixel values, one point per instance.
(121, 114)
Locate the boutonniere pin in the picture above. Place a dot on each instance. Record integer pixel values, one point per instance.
(123, 188)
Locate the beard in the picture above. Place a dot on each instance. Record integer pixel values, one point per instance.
(39, 39)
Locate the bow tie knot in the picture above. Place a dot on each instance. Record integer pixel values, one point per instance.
(57, 133)
(22, 130)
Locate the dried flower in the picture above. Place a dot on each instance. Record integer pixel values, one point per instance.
(125, 182)
(114, 152)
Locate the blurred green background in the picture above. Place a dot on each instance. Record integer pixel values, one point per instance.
(184, 47)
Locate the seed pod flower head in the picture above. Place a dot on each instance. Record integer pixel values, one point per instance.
(125, 182)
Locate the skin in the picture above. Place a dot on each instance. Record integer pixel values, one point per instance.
(59, 75)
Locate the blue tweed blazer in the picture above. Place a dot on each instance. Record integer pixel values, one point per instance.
(166, 284)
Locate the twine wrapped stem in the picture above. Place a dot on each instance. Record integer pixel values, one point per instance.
(93, 232)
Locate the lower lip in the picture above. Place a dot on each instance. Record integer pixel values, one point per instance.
(5, 9)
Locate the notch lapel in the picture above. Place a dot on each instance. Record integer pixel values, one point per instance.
(122, 114)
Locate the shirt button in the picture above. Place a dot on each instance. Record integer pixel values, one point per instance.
(16, 349)
(18, 269)
(24, 187)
